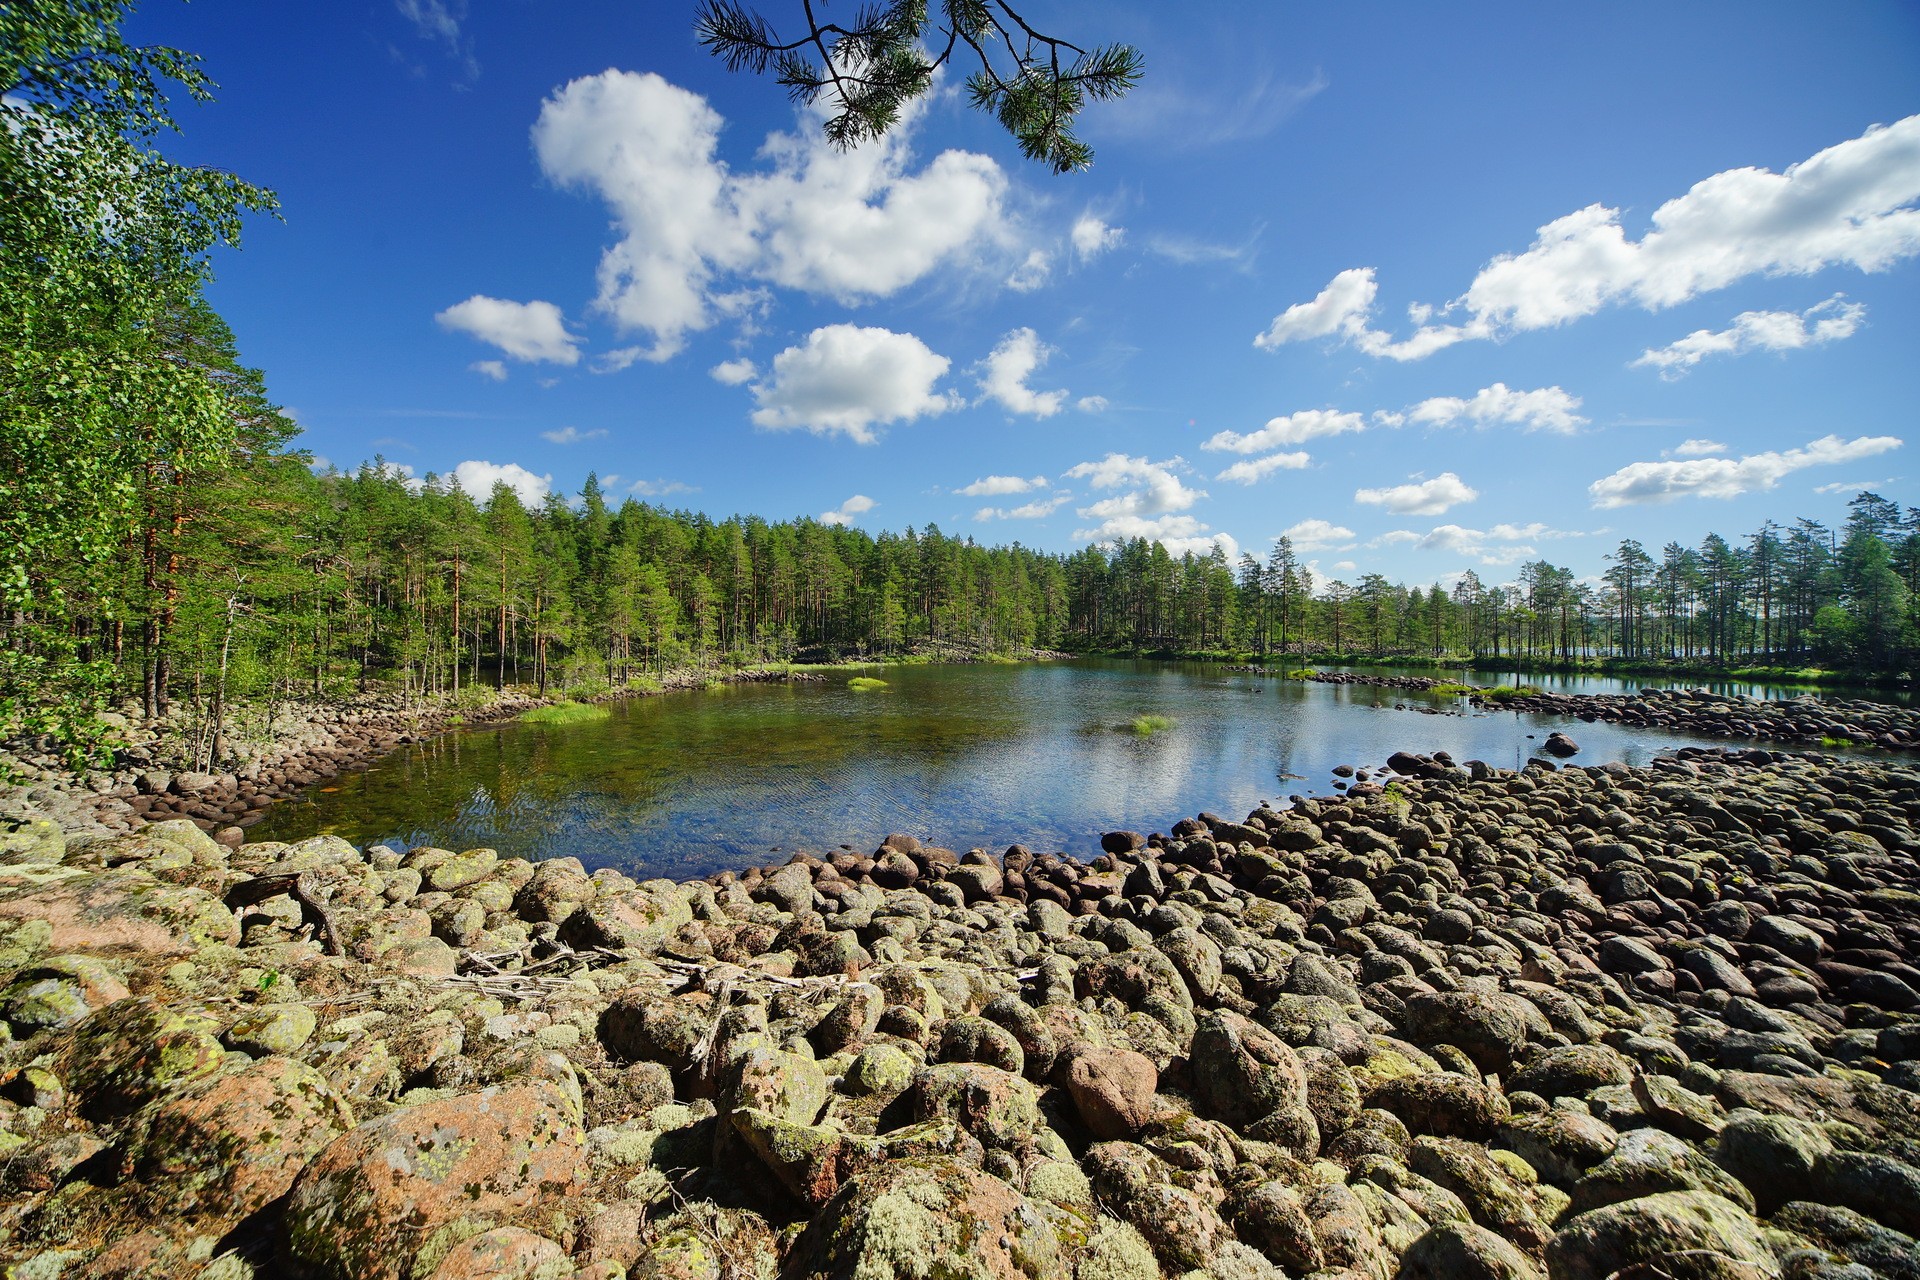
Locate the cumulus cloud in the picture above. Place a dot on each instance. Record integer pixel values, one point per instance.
(1294, 428)
(697, 238)
(491, 369)
(1658, 482)
(734, 373)
(1253, 470)
(1547, 409)
(1309, 536)
(996, 486)
(530, 331)
(1038, 509)
(1695, 448)
(1503, 544)
(858, 504)
(1149, 508)
(1031, 273)
(1829, 321)
(1851, 204)
(1004, 373)
(1091, 404)
(1422, 498)
(478, 479)
(1092, 237)
(572, 435)
(850, 379)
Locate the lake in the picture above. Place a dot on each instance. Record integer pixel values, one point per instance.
(1042, 754)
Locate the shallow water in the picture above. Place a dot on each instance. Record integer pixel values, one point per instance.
(687, 783)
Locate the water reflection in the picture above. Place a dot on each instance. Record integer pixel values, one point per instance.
(977, 755)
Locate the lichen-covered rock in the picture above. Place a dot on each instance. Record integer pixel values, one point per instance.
(1137, 1186)
(1490, 1194)
(121, 911)
(1463, 1251)
(271, 1028)
(1647, 1161)
(996, 1107)
(786, 1085)
(559, 887)
(1571, 1071)
(974, 1039)
(882, 1069)
(1112, 1089)
(1559, 1145)
(229, 1147)
(928, 1218)
(58, 991)
(1777, 1157)
(1250, 1078)
(1271, 1216)
(132, 1052)
(361, 1207)
(632, 919)
(1443, 1103)
(1489, 1029)
(505, 1253)
(1671, 1229)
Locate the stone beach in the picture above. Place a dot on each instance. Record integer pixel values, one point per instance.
(1459, 1022)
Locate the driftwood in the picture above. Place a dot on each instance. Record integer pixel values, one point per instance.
(295, 885)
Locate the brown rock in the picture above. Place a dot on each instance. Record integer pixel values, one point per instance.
(1113, 1091)
(365, 1202)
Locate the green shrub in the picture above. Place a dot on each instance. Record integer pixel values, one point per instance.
(1510, 691)
(1451, 689)
(864, 683)
(1147, 726)
(565, 713)
(1302, 673)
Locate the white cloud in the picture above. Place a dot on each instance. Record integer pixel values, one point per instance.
(1849, 205)
(1658, 482)
(1092, 237)
(1340, 308)
(1346, 566)
(531, 331)
(733, 373)
(1294, 428)
(1695, 448)
(493, 369)
(1829, 321)
(1424, 498)
(1547, 409)
(1148, 509)
(1091, 404)
(660, 488)
(1459, 540)
(572, 435)
(1252, 470)
(1852, 486)
(1314, 535)
(995, 486)
(849, 225)
(1031, 273)
(1007, 368)
(1038, 509)
(851, 379)
(478, 479)
(858, 504)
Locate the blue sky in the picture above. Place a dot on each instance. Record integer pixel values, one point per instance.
(1427, 288)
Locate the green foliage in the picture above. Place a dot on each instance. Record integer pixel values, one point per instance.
(1837, 743)
(1148, 725)
(1301, 673)
(866, 683)
(1034, 84)
(564, 713)
(1452, 689)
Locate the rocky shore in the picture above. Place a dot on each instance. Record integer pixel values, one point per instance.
(1576, 1023)
(1807, 719)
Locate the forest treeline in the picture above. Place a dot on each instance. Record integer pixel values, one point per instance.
(164, 542)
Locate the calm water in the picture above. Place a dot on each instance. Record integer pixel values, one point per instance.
(964, 756)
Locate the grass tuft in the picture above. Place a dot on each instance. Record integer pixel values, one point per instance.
(1302, 673)
(1451, 689)
(864, 683)
(565, 713)
(1147, 726)
(1837, 743)
(1510, 691)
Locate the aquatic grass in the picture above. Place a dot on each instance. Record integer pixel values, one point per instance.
(1837, 744)
(1510, 691)
(1453, 689)
(1147, 726)
(1301, 673)
(565, 713)
(864, 683)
